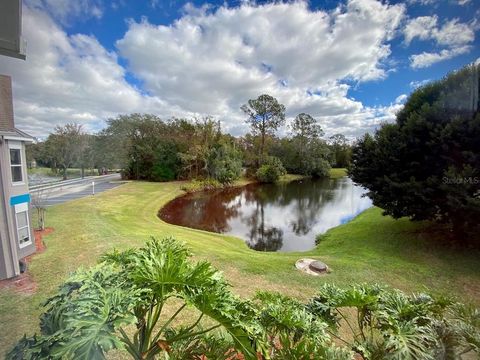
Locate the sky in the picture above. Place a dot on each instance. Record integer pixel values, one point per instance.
(350, 64)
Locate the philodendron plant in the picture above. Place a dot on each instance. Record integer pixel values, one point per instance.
(155, 303)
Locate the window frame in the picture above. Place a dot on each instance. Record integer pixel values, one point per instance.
(23, 208)
(16, 146)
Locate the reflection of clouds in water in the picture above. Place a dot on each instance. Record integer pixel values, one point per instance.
(301, 219)
(302, 225)
(284, 217)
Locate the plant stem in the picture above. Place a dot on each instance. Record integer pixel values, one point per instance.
(348, 323)
(168, 323)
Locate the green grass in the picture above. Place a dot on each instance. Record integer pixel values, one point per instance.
(71, 173)
(371, 248)
(338, 173)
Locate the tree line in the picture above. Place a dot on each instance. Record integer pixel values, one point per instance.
(146, 147)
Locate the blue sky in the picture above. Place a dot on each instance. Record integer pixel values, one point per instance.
(350, 64)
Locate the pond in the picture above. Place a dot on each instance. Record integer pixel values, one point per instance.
(271, 217)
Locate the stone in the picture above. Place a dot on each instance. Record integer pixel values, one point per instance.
(318, 266)
(311, 266)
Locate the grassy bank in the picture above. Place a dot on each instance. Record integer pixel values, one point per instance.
(371, 248)
(338, 173)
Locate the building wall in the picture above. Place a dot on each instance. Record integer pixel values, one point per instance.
(8, 266)
(10, 245)
(10, 250)
(16, 190)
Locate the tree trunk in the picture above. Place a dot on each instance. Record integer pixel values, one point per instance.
(41, 218)
(83, 171)
(64, 173)
(262, 147)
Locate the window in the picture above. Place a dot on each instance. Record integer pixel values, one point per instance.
(23, 225)
(16, 163)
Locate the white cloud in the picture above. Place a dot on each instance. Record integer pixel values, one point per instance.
(68, 78)
(425, 59)
(66, 10)
(423, 2)
(435, 2)
(421, 27)
(453, 35)
(401, 99)
(209, 62)
(214, 62)
(419, 83)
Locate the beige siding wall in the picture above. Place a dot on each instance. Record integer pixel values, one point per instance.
(11, 250)
(15, 190)
(7, 264)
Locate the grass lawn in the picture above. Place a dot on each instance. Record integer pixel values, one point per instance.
(371, 248)
(71, 173)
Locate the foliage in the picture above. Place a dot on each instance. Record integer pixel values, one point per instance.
(205, 136)
(93, 312)
(427, 165)
(292, 332)
(89, 315)
(341, 151)
(200, 185)
(224, 163)
(265, 116)
(146, 147)
(80, 321)
(65, 146)
(308, 157)
(306, 127)
(151, 155)
(388, 324)
(270, 170)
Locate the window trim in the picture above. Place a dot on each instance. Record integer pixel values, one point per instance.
(20, 208)
(16, 146)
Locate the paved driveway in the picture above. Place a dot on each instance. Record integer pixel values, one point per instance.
(59, 193)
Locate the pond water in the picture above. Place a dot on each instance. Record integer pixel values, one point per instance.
(271, 217)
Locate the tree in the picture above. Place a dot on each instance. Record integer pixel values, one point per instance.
(311, 152)
(65, 146)
(271, 170)
(39, 200)
(427, 165)
(341, 151)
(265, 116)
(306, 127)
(224, 163)
(86, 152)
(206, 134)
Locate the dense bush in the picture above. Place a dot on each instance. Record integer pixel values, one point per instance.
(271, 170)
(427, 164)
(128, 302)
(308, 158)
(224, 164)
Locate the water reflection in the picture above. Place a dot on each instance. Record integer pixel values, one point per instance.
(273, 217)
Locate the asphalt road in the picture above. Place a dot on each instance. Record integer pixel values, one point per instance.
(80, 189)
